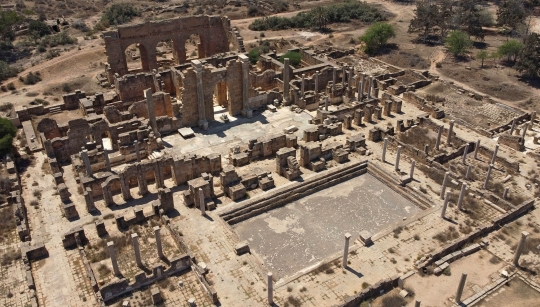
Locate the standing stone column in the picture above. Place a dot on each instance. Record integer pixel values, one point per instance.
(107, 161)
(465, 154)
(360, 85)
(151, 111)
(468, 174)
(417, 303)
(505, 193)
(157, 233)
(270, 289)
(370, 87)
(326, 103)
(460, 287)
(343, 76)
(487, 176)
(86, 160)
(303, 84)
(450, 131)
(494, 154)
(135, 242)
(513, 126)
(114, 261)
(286, 97)
(202, 205)
(334, 78)
(203, 123)
(316, 77)
(438, 142)
(412, 169)
(445, 205)
(476, 149)
(383, 158)
(445, 182)
(346, 250)
(245, 85)
(363, 84)
(461, 195)
(137, 150)
(520, 247)
(533, 117)
(525, 127)
(398, 156)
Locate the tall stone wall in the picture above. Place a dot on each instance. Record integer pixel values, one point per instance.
(213, 31)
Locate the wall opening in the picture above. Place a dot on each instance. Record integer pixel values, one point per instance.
(136, 57)
(193, 47)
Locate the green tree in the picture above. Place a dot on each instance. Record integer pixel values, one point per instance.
(426, 17)
(469, 18)
(482, 55)
(7, 132)
(528, 63)
(511, 13)
(376, 36)
(119, 13)
(321, 17)
(294, 57)
(254, 55)
(7, 71)
(38, 28)
(458, 42)
(7, 20)
(510, 49)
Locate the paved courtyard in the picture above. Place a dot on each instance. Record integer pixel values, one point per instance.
(306, 231)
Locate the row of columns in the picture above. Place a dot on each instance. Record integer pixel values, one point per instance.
(135, 243)
(398, 157)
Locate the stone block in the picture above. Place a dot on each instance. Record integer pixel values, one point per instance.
(365, 237)
(156, 295)
(241, 248)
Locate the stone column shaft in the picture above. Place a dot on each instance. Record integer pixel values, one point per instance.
(203, 123)
(505, 194)
(468, 174)
(316, 77)
(346, 250)
(417, 303)
(86, 160)
(520, 247)
(270, 289)
(334, 78)
(114, 261)
(245, 84)
(450, 131)
(326, 103)
(302, 87)
(460, 287)
(525, 127)
(344, 76)
(445, 204)
(438, 142)
(370, 87)
(445, 182)
(286, 81)
(476, 149)
(487, 176)
(202, 205)
(107, 161)
(494, 154)
(463, 160)
(513, 126)
(157, 233)
(398, 156)
(137, 150)
(135, 241)
(151, 110)
(412, 169)
(461, 195)
(384, 150)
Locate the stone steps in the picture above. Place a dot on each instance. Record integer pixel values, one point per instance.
(55, 110)
(286, 194)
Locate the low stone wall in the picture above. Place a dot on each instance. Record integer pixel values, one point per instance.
(291, 192)
(377, 289)
(481, 232)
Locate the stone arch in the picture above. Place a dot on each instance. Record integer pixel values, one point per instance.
(111, 185)
(194, 47)
(136, 56)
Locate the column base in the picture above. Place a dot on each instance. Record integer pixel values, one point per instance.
(203, 124)
(247, 113)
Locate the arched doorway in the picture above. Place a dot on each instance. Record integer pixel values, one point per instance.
(136, 57)
(193, 47)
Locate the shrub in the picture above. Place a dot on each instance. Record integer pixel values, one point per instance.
(294, 57)
(392, 300)
(32, 78)
(510, 49)
(458, 42)
(377, 36)
(7, 71)
(11, 86)
(61, 38)
(38, 28)
(119, 13)
(342, 12)
(254, 55)
(7, 132)
(6, 107)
